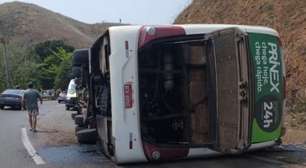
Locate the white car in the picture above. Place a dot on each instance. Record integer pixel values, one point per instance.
(71, 97)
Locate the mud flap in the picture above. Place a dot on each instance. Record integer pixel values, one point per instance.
(87, 136)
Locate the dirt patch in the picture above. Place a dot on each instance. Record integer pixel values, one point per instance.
(55, 126)
(294, 136)
(295, 128)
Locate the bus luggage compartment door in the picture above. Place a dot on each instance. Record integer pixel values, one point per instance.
(229, 73)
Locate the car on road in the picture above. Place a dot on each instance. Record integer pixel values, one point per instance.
(62, 97)
(71, 98)
(12, 98)
(48, 94)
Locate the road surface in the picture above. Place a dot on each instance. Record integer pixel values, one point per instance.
(56, 145)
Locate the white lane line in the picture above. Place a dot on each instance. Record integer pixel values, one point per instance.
(29, 147)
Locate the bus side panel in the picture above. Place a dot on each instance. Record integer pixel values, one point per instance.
(125, 119)
(267, 67)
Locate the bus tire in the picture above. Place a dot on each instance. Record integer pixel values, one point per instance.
(80, 57)
(78, 120)
(100, 146)
(78, 128)
(73, 115)
(87, 136)
(76, 72)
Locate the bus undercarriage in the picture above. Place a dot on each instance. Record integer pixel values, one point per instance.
(174, 93)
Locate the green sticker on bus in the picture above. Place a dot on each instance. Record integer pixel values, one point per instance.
(266, 61)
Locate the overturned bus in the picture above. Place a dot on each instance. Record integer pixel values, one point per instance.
(183, 91)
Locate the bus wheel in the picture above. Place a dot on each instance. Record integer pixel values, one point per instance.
(100, 146)
(87, 136)
(78, 128)
(110, 149)
(78, 120)
(73, 115)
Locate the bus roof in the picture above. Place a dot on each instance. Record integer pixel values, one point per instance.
(204, 28)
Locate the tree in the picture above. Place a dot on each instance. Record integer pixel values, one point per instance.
(50, 55)
(21, 66)
(45, 49)
(55, 70)
(25, 65)
(64, 70)
(64, 75)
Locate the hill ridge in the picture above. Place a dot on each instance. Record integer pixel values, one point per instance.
(27, 24)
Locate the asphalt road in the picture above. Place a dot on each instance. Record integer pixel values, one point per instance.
(12, 151)
(56, 145)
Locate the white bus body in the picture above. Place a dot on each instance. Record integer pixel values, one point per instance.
(115, 57)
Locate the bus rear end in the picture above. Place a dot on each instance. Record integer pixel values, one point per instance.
(209, 90)
(187, 91)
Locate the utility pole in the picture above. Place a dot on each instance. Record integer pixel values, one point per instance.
(4, 42)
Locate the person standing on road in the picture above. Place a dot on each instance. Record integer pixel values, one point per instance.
(31, 97)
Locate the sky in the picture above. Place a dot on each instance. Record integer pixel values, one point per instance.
(129, 11)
